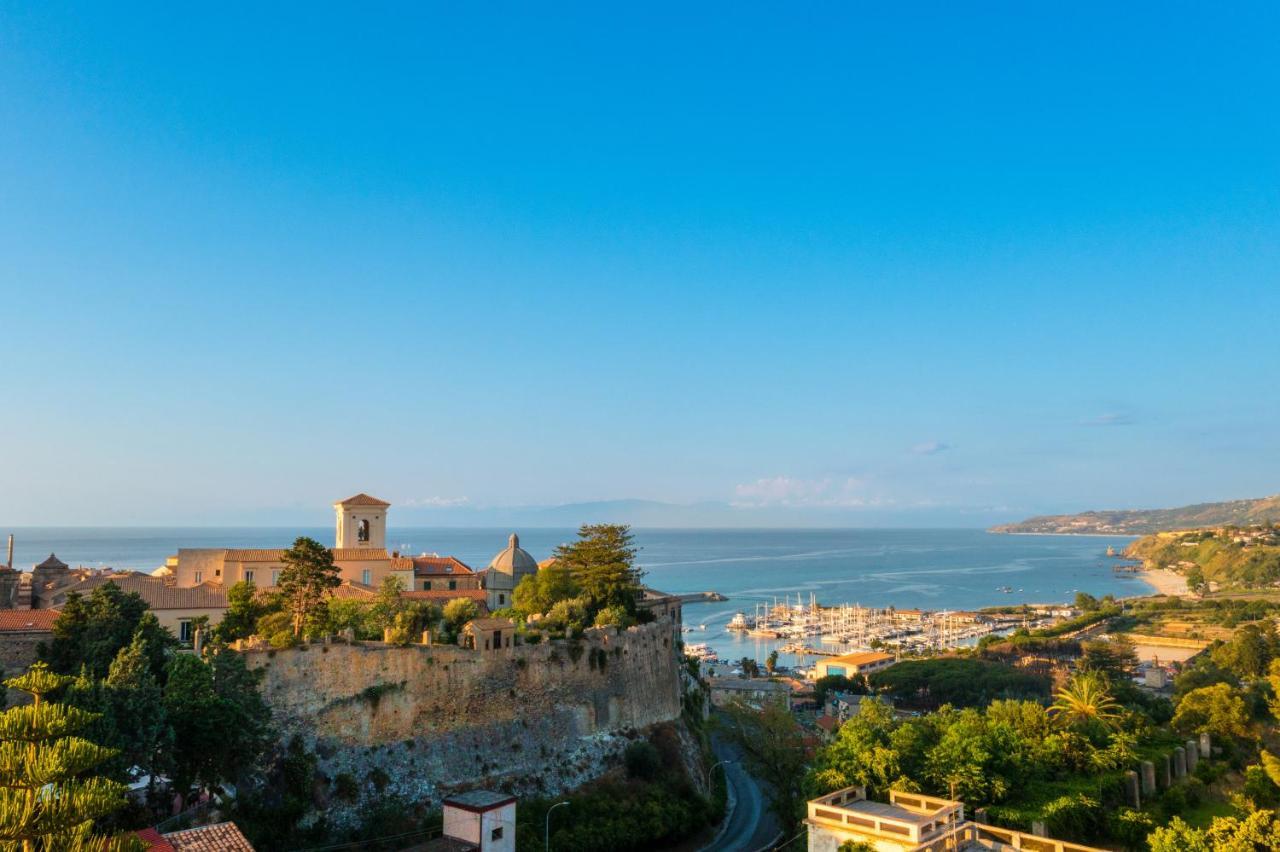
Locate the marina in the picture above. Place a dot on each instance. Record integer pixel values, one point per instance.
(851, 627)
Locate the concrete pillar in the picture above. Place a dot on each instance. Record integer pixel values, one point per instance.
(426, 637)
(1206, 746)
(1166, 771)
(1038, 829)
(197, 641)
(1148, 778)
(1193, 755)
(1179, 763)
(1131, 786)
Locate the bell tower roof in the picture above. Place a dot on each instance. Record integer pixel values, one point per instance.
(362, 499)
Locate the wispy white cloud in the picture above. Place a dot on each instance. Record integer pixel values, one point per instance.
(436, 502)
(1113, 418)
(794, 491)
(930, 448)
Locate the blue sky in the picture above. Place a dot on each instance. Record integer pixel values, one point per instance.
(897, 262)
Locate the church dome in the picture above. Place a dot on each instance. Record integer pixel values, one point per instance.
(514, 560)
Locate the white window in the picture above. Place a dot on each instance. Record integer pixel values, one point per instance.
(366, 576)
(275, 577)
(184, 630)
(248, 575)
(199, 577)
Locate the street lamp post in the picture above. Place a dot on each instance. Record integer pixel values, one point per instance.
(546, 835)
(713, 769)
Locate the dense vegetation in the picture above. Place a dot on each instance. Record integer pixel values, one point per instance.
(958, 681)
(49, 794)
(590, 582)
(651, 805)
(1230, 557)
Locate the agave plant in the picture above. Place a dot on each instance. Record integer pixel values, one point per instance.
(1085, 699)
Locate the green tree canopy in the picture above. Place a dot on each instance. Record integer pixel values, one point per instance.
(308, 578)
(538, 593)
(220, 722)
(244, 607)
(48, 796)
(602, 564)
(91, 631)
(1218, 710)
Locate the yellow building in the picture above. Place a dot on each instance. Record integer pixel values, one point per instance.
(175, 608)
(359, 551)
(850, 665)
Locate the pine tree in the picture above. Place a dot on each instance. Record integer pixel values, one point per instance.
(602, 564)
(47, 800)
(309, 576)
(137, 705)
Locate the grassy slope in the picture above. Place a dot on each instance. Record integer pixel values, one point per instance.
(1221, 560)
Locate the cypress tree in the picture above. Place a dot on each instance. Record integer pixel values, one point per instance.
(48, 801)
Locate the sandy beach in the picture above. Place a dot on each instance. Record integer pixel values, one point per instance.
(1166, 582)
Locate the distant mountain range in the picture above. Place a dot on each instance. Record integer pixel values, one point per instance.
(1146, 521)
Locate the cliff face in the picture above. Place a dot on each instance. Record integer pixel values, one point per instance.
(421, 721)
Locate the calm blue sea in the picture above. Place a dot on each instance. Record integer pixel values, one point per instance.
(929, 569)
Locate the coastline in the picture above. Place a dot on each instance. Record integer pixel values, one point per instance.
(1073, 534)
(1164, 581)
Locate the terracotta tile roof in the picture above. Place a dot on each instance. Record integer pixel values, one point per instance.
(428, 566)
(477, 595)
(154, 590)
(362, 499)
(27, 620)
(52, 562)
(220, 837)
(491, 624)
(350, 590)
(830, 724)
(275, 554)
(401, 563)
(155, 840)
(860, 658)
(361, 554)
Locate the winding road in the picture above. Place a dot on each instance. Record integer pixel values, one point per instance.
(749, 825)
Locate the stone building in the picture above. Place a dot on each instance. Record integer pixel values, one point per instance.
(505, 572)
(443, 574)
(487, 634)
(21, 632)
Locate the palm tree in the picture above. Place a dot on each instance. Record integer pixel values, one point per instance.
(1086, 699)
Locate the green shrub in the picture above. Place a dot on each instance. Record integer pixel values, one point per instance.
(1131, 828)
(642, 760)
(1077, 817)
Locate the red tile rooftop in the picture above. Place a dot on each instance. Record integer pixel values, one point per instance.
(27, 620)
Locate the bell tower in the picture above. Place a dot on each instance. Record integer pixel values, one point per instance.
(362, 522)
